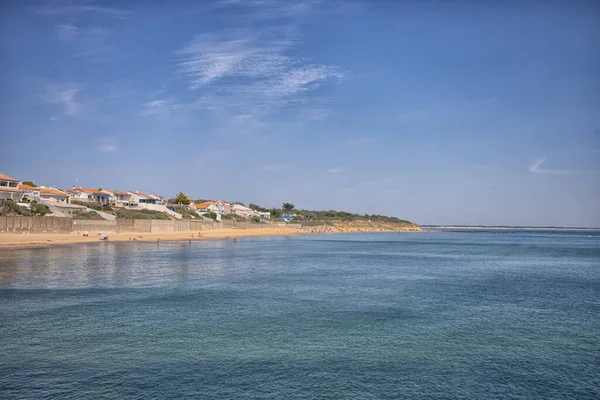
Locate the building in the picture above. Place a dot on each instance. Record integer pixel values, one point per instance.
(54, 195)
(89, 195)
(141, 198)
(119, 198)
(10, 188)
(219, 207)
(30, 192)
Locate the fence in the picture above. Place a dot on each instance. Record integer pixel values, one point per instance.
(66, 225)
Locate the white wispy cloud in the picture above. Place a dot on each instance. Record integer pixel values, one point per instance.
(160, 107)
(80, 7)
(254, 72)
(267, 9)
(86, 41)
(108, 144)
(271, 167)
(335, 170)
(64, 95)
(535, 168)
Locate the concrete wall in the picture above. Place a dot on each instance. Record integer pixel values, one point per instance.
(67, 225)
(35, 225)
(94, 226)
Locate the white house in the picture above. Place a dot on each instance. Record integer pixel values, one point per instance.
(119, 198)
(54, 195)
(30, 192)
(10, 188)
(88, 195)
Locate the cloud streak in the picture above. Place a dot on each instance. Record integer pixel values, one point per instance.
(64, 96)
(335, 170)
(58, 9)
(160, 107)
(108, 144)
(535, 168)
(254, 72)
(86, 42)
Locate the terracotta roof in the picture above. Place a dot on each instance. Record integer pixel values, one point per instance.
(116, 191)
(12, 190)
(203, 206)
(145, 196)
(27, 187)
(93, 191)
(7, 178)
(52, 192)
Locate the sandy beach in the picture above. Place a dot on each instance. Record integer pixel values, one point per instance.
(17, 240)
(27, 240)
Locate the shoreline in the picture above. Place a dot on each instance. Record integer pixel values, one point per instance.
(17, 241)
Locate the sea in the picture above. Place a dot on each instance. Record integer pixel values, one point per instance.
(507, 314)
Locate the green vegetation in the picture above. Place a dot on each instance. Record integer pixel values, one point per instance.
(140, 214)
(287, 207)
(182, 199)
(326, 217)
(200, 201)
(29, 183)
(92, 215)
(186, 213)
(256, 220)
(94, 206)
(256, 207)
(10, 208)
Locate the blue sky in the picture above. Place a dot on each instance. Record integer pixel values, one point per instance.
(438, 113)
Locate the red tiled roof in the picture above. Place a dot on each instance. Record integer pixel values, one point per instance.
(93, 191)
(27, 187)
(116, 191)
(7, 178)
(203, 206)
(52, 192)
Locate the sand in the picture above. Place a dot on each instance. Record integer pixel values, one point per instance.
(27, 240)
(18, 240)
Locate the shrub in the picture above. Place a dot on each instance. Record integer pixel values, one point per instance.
(39, 209)
(93, 206)
(92, 215)
(125, 213)
(186, 213)
(9, 207)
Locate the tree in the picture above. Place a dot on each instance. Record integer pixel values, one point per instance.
(256, 207)
(200, 201)
(182, 199)
(29, 183)
(275, 213)
(287, 207)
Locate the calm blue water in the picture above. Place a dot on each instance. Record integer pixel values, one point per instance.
(512, 315)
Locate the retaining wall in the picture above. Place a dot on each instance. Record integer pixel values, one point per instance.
(19, 224)
(94, 226)
(67, 225)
